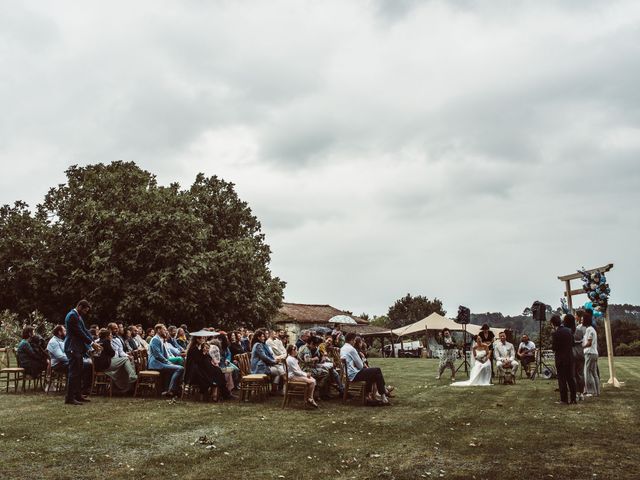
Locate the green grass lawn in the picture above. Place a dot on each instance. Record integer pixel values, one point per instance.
(431, 431)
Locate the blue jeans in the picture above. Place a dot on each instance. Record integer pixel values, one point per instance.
(177, 373)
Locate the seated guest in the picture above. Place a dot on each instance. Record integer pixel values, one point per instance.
(262, 361)
(141, 343)
(60, 362)
(117, 342)
(357, 372)
(327, 345)
(176, 355)
(235, 347)
(119, 369)
(505, 355)
(33, 361)
(219, 362)
(327, 359)
(94, 334)
(245, 341)
(185, 331)
(200, 369)
(311, 361)
(173, 339)
(159, 360)
(284, 337)
(296, 374)
(526, 353)
(127, 338)
(226, 360)
(276, 346)
(181, 338)
(150, 334)
(337, 335)
(55, 347)
(361, 347)
(302, 339)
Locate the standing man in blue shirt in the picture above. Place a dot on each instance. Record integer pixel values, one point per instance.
(77, 342)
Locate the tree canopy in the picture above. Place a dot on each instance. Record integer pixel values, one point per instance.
(138, 251)
(408, 309)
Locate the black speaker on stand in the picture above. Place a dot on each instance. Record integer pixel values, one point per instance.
(539, 311)
(463, 318)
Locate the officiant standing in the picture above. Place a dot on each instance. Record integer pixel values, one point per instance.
(77, 342)
(562, 345)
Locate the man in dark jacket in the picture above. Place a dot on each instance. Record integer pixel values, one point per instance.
(562, 345)
(77, 342)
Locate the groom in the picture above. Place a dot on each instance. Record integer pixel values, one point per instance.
(505, 355)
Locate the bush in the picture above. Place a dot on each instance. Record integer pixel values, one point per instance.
(373, 353)
(11, 326)
(624, 350)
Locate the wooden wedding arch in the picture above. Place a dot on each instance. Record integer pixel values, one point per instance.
(607, 322)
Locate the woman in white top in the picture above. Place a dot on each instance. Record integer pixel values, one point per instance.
(296, 374)
(590, 346)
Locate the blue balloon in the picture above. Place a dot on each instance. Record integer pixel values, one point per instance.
(588, 305)
(597, 314)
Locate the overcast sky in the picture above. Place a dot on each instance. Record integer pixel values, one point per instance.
(471, 151)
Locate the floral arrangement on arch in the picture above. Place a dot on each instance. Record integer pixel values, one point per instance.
(597, 289)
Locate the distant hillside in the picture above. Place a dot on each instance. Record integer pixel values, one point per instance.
(518, 323)
(526, 324)
(631, 313)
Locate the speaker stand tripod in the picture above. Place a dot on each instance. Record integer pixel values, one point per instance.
(465, 349)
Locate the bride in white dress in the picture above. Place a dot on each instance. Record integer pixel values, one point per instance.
(481, 371)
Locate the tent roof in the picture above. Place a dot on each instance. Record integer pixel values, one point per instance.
(435, 321)
(307, 313)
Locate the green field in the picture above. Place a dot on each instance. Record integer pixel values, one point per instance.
(431, 431)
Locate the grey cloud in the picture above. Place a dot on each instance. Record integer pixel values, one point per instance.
(400, 142)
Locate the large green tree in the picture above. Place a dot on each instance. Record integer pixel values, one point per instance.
(141, 252)
(409, 309)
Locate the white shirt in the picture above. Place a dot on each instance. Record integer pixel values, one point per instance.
(530, 346)
(294, 367)
(55, 347)
(118, 347)
(590, 334)
(354, 362)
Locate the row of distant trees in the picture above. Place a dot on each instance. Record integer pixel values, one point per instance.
(625, 322)
(138, 251)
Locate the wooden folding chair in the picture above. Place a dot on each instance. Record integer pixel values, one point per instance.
(293, 388)
(57, 378)
(506, 376)
(334, 353)
(8, 373)
(147, 379)
(355, 389)
(531, 367)
(29, 382)
(256, 385)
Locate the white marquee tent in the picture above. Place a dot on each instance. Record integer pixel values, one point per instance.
(435, 321)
